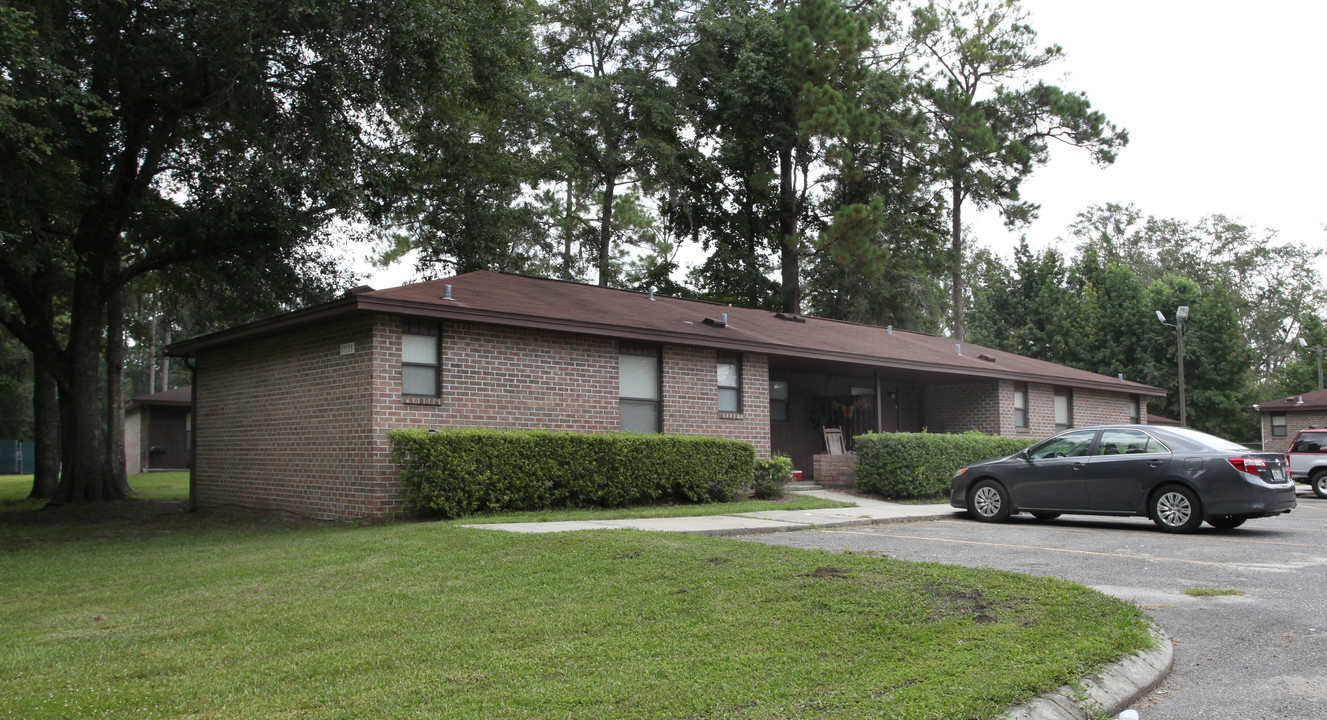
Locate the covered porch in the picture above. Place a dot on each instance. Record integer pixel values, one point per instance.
(808, 396)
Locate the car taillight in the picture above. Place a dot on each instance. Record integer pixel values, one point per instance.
(1249, 466)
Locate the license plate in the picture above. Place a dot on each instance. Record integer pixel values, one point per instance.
(1280, 475)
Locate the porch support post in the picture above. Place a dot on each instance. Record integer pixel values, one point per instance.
(879, 404)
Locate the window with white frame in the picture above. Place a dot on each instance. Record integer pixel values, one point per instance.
(1064, 408)
(638, 388)
(730, 382)
(420, 363)
(1020, 405)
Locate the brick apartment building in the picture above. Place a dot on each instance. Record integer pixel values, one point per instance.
(1283, 418)
(291, 413)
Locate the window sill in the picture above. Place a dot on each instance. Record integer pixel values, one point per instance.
(420, 400)
(730, 416)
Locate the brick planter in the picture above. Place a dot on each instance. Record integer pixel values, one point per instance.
(835, 470)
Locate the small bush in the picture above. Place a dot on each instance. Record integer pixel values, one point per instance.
(772, 474)
(922, 465)
(458, 472)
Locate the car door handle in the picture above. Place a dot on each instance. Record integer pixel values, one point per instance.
(1156, 463)
(1078, 465)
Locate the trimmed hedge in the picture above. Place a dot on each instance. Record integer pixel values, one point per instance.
(457, 472)
(922, 465)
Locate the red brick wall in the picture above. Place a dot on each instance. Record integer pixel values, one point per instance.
(691, 397)
(1295, 421)
(835, 470)
(989, 407)
(963, 407)
(283, 424)
(290, 424)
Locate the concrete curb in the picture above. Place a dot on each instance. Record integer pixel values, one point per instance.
(1109, 691)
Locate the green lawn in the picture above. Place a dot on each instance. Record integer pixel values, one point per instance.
(14, 489)
(177, 615)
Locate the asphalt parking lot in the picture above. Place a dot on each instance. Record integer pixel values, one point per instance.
(1259, 654)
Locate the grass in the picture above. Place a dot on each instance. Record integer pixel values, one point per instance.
(174, 615)
(796, 502)
(1209, 592)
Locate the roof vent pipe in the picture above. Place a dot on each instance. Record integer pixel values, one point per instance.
(724, 317)
(446, 292)
(890, 329)
(958, 348)
(652, 289)
(1121, 377)
(1300, 401)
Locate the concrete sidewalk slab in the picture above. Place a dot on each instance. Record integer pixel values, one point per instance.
(867, 512)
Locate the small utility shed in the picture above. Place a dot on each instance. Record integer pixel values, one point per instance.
(1283, 418)
(156, 431)
(292, 412)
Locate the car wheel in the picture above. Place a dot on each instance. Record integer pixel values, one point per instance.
(1176, 509)
(989, 502)
(1319, 483)
(1227, 522)
(1045, 516)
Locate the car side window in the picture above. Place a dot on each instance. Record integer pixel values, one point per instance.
(1128, 442)
(1074, 444)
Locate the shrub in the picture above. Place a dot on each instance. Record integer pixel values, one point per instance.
(771, 475)
(922, 465)
(457, 472)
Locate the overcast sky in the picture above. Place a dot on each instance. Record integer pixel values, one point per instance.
(1225, 107)
(1224, 103)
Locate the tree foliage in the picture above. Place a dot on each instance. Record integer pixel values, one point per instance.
(992, 123)
(141, 136)
(1274, 284)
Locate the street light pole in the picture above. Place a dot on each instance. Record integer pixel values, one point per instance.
(1181, 314)
(1306, 346)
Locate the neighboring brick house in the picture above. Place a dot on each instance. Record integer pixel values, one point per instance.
(156, 431)
(1284, 417)
(291, 413)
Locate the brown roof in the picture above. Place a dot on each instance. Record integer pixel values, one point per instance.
(177, 396)
(515, 300)
(1161, 420)
(1316, 400)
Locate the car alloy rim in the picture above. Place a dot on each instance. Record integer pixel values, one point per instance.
(987, 501)
(1173, 509)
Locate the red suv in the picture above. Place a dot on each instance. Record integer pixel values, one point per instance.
(1308, 459)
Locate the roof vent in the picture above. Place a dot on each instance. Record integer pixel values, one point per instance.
(717, 323)
(358, 290)
(958, 348)
(890, 329)
(1300, 401)
(1120, 377)
(790, 317)
(986, 357)
(652, 291)
(447, 292)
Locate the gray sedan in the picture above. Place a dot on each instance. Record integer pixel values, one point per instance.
(1176, 476)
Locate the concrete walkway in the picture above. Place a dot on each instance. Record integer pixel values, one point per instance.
(867, 512)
